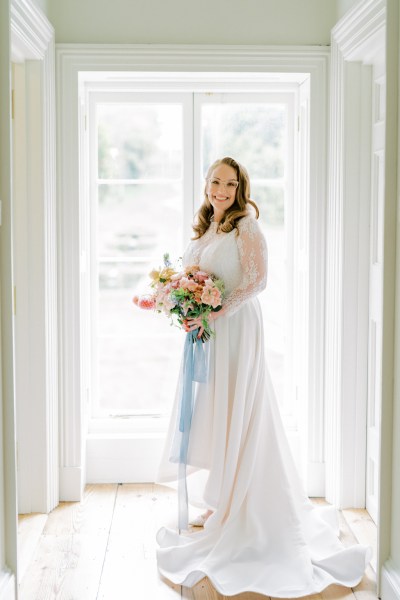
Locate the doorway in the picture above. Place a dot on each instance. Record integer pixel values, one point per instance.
(81, 70)
(34, 260)
(145, 156)
(354, 316)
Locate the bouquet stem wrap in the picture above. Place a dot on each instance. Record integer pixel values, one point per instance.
(194, 369)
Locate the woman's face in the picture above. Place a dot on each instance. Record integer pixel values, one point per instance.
(221, 188)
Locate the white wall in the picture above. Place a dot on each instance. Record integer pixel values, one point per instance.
(8, 502)
(193, 22)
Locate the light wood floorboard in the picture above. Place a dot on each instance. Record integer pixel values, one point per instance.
(104, 548)
(30, 528)
(69, 556)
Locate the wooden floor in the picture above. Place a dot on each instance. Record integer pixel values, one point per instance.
(103, 548)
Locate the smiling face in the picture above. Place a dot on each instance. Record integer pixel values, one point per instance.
(221, 189)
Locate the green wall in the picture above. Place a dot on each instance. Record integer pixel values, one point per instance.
(192, 22)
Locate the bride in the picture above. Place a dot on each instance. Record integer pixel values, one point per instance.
(259, 532)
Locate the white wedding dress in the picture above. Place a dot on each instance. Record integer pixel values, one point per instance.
(265, 535)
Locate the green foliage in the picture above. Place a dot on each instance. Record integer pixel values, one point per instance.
(254, 134)
(133, 144)
(270, 201)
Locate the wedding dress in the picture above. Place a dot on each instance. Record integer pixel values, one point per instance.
(264, 535)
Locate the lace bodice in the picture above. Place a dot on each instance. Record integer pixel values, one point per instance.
(239, 260)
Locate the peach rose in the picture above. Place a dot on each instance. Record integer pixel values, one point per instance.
(211, 296)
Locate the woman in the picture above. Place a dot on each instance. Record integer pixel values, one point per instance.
(260, 532)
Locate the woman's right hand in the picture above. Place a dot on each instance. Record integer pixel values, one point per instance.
(190, 324)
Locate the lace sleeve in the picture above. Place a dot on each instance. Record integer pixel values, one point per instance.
(254, 261)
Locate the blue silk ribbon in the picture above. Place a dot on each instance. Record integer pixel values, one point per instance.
(194, 369)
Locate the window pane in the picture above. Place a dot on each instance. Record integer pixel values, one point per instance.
(271, 202)
(256, 135)
(139, 354)
(139, 141)
(253, 134)
(137, 220)
(136, 223)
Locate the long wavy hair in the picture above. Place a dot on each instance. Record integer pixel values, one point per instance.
(238, 210)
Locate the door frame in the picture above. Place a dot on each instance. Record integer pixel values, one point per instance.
(25, 34)
(355, 40)
(160, 62)
(34, 260)
(136, 459)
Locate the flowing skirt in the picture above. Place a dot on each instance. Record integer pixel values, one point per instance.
(265, 535)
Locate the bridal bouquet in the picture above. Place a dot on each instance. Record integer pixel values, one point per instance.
(189, 293)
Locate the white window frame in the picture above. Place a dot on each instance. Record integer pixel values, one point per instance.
(289, 98)
(225, 65)
(191, 102)
(135, 424)
(109, 420)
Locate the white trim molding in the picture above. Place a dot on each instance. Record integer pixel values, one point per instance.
(390, 582)
(158, 63)
(31, 32)
(7, 585)
(32, 43)
(355, 40)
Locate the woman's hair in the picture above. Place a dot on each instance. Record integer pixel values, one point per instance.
(235, 212)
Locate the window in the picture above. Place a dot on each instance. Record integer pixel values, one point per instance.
(256, 129)
(137, 215)
(148, 154)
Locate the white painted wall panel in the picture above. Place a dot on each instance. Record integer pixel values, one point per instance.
(393, 50)
(389, 539)
(8, 501)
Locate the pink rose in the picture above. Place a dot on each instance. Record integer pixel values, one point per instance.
(211, 296)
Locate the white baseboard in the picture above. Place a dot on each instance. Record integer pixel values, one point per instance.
(71, 484)
(123, 459)
(390, 582)
(7, 585)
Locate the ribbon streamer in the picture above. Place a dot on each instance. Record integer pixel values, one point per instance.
(194, 369)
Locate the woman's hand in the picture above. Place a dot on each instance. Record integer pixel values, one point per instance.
(193, 324)
(197, 323)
